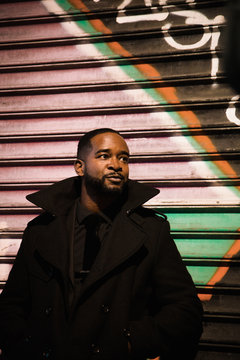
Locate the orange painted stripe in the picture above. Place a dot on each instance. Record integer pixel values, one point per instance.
(168, 93)
(219, 274)
(79, 5)
(204, 297)
(234, 249)
(191, 120)
(221, 271)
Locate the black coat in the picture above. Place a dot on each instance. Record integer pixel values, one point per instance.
(138, 289)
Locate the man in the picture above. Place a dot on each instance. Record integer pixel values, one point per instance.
(98, 276)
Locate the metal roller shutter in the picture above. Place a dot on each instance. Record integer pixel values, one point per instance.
(154, 70)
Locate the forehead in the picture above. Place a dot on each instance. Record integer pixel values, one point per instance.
(109, 141)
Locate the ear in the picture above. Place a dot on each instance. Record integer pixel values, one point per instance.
(79, 167)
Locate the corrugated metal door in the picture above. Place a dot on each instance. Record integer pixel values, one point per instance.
(154, 71)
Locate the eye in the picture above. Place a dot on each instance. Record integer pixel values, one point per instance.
(124, 159)
(103, 156)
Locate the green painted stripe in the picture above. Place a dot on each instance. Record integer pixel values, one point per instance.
(201, 275)
(204, 222)
(130, 70)
(203, 219)
(204, 248)
(134, 73)
(66, 6)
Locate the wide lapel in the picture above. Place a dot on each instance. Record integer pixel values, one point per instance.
(54, 246)
(124, 240)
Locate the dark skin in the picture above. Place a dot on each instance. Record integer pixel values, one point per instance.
(107, 161)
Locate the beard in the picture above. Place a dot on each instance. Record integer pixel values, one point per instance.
(99, 185)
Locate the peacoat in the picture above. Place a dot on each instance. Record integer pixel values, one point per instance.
(138, 290)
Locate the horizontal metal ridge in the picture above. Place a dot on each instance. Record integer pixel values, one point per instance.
(110, 86)
(195, 105)
(219, 347)
(219, 235)
(213, 290)
(96, 38)
(176, 234)
(197, 208)
(134, 158)
(35, 210)
(191, 182)
(26, 210)
(131, 60)
(156, 183)
(203, 130)
(218, 290)
(101, 14)
(7, 259)
(218, 317)
(11, 234)
(24, 185)
(219, 262)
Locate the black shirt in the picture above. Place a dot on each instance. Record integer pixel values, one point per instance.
(89, 233)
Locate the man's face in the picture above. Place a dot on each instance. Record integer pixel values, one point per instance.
(106, 165)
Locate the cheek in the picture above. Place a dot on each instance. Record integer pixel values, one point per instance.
(126, 171)
(95, 169)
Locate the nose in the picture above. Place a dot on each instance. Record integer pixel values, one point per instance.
(114, 164)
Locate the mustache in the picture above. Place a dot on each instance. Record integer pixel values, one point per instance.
(114, 174)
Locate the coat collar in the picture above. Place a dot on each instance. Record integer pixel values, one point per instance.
(60, 197)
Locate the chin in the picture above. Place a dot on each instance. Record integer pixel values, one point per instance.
(112, 189)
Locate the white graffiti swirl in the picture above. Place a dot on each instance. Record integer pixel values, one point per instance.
(231, 110)
(210, 27)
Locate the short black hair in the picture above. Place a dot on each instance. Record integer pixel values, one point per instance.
(84, 143)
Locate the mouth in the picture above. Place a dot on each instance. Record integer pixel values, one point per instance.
(115, 178)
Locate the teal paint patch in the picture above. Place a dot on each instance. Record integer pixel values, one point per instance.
(201, 275)
(65, 5)
(134, 73)
(87, 27)
(180, 220)
(130, 70)
(204, 222)
(203, 248)
(203, 219)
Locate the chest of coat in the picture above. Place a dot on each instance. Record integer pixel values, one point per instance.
(117, 282)
(120, 287)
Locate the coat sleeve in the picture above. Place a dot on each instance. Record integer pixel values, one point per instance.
(14, 306)
(174, 327)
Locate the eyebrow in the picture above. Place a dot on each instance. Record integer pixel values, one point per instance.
(108, 151)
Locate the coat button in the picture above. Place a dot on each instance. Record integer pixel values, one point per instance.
(126, 332)
(46, 354)
(27, 339)
(95, 349)
(48, 310)
(105, 308)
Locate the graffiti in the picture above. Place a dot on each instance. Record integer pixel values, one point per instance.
(170, 101)
(154, 16)
(231, 110)
(147, 3)
(209, 36)
(211, 31)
